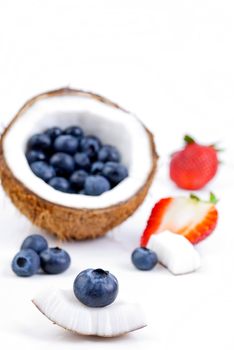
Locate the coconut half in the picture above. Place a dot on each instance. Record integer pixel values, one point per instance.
(63, 309)
(72, 216)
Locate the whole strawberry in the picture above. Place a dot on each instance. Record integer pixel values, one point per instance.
(194, 166)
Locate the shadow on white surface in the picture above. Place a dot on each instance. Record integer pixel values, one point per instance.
(46, 331)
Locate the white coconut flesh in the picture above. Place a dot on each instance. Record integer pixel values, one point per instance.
(62, 308)
(175, 252)
(113, 126)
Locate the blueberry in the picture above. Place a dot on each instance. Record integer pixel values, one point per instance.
(35, 242)
(63, 164)
(35, 155)
(60, 184)
(77, 179)
(43, 170)
(109, 154)
(144, 259)
(96, 168)
(96, 185)
(39, 141)
(114, 172)
(26, 263)
(53, 132)
(82, 161)
(66, 143)
(90, 145)
(54, 260)
(95, 288)
(74, 131)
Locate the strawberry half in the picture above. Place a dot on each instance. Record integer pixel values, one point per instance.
(190, 217)
(194, 166)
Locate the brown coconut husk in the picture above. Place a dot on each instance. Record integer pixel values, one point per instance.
(69, 223)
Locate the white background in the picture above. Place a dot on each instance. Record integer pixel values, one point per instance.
(171, 62)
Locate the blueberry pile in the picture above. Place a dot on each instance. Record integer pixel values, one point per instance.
(72, 162)
(35, 254)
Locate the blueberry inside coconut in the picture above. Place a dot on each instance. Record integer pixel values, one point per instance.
(56, 157)
(91, 308)
(60, 133)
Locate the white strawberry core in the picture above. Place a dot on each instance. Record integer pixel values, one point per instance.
(183, 213)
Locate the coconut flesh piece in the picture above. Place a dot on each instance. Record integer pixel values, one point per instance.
(112, 125)
(175, 252)
(62, 308)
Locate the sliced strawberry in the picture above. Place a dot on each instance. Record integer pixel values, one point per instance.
(156, 217)
(189, 217)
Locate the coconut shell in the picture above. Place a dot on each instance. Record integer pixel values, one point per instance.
(69, 223)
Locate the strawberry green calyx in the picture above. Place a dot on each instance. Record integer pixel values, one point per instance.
(218, 150)
(188, 139)
(196, 198)
(216, 147)
(212, 199)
